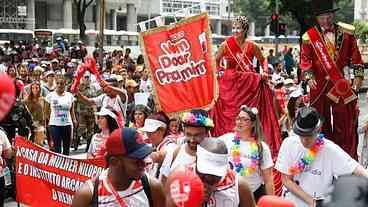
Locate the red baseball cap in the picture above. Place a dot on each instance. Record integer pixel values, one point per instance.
(127, 142)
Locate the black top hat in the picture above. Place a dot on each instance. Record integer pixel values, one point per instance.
(308, 122)
(323, 6)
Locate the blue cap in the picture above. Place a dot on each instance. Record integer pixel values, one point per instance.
(127, 142)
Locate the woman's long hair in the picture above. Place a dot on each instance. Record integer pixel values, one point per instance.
(141, 108)
(257, 130)
(292, 108)
(34, 97)
(112, 124)
(176, 119)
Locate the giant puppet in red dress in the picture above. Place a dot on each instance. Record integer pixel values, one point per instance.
(327, 50)
(240, 84)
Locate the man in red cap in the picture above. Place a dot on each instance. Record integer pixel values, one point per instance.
(328, 49)
(124, 183)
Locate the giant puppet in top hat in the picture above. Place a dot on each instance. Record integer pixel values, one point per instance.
(323, 6)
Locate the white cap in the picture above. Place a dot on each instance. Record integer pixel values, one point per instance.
(278, 81)
(151, 125)
(49, 72)
(106, 112)
(212, 163)
(288, 81)
(297, 93)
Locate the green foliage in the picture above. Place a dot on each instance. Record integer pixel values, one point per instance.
(301, 10)
(258, 11)
(346, 12)
(296, 13)
(361, 30)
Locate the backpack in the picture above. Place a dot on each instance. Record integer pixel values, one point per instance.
(146, 188)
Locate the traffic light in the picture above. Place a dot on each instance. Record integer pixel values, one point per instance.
(274, 23)
(282, 29)
(276, 27)
(275, 17)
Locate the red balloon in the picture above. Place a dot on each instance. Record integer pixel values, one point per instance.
(80, 71)
(274, 201)
(185, 189)
(7, 94)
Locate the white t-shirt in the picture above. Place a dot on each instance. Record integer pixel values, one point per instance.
(331, 161)
(97, 142)
(255, 180)
(182, 159)
(60, 108)
(226, 193)
(4, 145)
(153, 168)
(275, 77)
(3, 68)
(104, 100)
(146, 86)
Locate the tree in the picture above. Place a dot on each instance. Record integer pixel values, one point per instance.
(361, 30)
(257, 11)
(301, 10)
(260, 11)
(82, 6)
(298, 10)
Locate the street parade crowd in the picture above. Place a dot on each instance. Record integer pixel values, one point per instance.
(281, 132)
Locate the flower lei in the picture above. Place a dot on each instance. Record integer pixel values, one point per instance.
(198, 119)
(309, 157)
(254, 156)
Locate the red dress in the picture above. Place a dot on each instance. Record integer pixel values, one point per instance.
(241, 85)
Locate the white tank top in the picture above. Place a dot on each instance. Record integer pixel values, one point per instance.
(183, 158)
(134, 195)
(226, 193)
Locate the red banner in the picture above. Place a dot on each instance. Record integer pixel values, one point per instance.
(181, 64)
(44, 178)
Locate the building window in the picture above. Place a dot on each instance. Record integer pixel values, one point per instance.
(171, 6)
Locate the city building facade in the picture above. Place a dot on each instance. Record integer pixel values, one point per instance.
(361, 10)
(120, 14)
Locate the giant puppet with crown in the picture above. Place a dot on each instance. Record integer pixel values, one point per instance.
(327, 52)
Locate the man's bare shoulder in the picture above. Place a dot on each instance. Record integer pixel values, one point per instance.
(83, 196)
(158, 195)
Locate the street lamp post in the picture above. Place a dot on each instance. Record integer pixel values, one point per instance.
(101, 32)
(276, 36)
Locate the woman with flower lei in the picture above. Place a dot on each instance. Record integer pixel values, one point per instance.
(250, 157)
